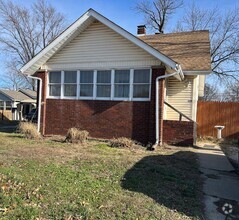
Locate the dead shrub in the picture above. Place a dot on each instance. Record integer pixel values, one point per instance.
(29, 130)
(122, 142)
(75, 135)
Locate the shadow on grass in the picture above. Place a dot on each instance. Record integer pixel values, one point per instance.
(171, 180)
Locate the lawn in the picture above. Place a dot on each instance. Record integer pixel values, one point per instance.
(49, 179)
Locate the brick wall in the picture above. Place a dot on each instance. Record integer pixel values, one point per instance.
(104, 119)
(178, 132)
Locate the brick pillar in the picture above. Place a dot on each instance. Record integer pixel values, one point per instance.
(159, 71)
(43, 76)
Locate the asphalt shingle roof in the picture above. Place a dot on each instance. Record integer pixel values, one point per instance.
(15, 95)
(190, 49)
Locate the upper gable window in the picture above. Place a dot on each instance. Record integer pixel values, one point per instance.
(86, 83)
(70, 83)
(122, 83)
(55, 83)
(103, 84)
(141, 83)
(126, 84)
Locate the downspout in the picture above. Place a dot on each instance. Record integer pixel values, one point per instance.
(178, 71)
(39, 102)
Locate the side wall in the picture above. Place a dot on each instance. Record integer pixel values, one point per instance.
(178, 132)
(103, 119)
(183, 96)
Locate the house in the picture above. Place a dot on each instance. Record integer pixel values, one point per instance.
(15, 104)
(99, 77)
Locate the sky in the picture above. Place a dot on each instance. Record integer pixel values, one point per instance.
(119, 11)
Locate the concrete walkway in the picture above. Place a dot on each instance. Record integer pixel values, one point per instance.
(221, 184)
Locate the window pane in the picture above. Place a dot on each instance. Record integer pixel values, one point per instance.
(141, 91)
(86, 90)
(70, 77)
(86, 76)
(8, 105)
(55, 77)
(70, 90)
(1, 105)
(103, 90)
(55, 90)
(122, 91)
(122, 76)
(104, 76)
(141, 76)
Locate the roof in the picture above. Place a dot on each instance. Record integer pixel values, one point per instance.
(79, 26)
(32, 94)
(190, 49)
(14, 95)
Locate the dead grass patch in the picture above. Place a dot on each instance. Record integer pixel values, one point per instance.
(75, 135)
(122, 142)
(29, 130)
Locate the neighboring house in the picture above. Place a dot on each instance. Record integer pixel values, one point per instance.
(16, 104)
(101, 78)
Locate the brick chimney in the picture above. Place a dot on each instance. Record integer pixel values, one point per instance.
(141, 30)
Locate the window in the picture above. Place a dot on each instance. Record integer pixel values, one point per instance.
(127, 84)
(103, 84)
(122, 83)
(86, 83)
(1, 105)
(70, 83)
(141, 83)
(55, 83)
(8, 105)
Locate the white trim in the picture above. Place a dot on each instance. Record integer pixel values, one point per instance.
(131, 86)
(197, 72)
(53, 47)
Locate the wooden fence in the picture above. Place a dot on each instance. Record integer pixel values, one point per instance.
(210, 114)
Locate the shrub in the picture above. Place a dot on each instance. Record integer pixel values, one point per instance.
(74, 135)
(29, 130)
(122, 142)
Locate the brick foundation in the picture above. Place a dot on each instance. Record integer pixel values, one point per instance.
(104, 119)
(178, 132)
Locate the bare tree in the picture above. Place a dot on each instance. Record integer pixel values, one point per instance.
(231, 93)
(25, 31)
(158, 12)
(224, 29)
(211, 93)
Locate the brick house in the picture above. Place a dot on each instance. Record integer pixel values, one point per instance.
(99, 77)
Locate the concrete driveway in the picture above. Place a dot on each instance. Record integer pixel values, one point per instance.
(221, 184)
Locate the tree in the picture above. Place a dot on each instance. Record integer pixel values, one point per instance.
(25, 31)
(231, 93)
(224, 38)
(158, 12)
(211, 93)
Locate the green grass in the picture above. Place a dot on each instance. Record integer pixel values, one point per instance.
(53, 180)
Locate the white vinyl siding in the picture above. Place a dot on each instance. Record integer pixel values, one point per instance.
(99, 47)
(180, 96)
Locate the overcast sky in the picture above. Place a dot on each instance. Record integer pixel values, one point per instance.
(120, 11)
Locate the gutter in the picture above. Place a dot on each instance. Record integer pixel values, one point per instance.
(181, 75)
(39, 102)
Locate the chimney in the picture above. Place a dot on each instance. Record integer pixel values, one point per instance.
(141, 30)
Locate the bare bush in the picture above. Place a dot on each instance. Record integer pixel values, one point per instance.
(75, 135)
(122, 142)
(29, 130)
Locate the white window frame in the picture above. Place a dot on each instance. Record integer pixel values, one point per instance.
(150, 82)
(63, 85)
(49, 84)
(104, 84)
(94, 97)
